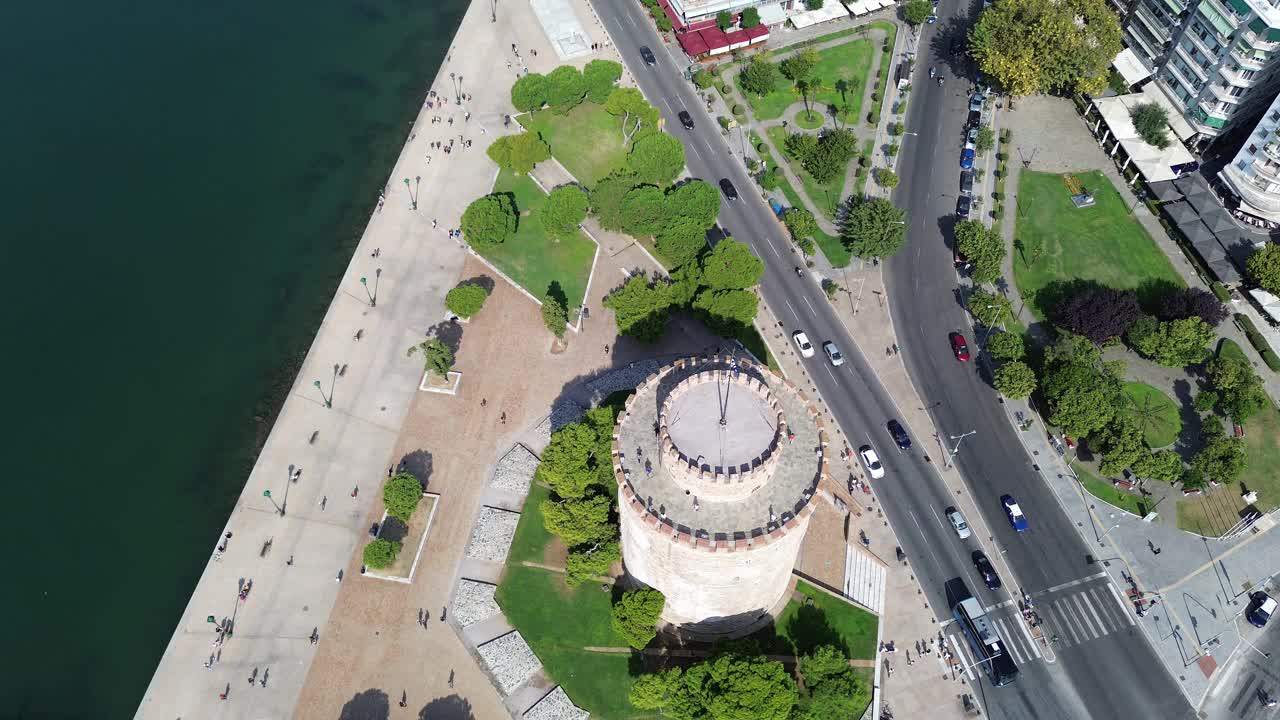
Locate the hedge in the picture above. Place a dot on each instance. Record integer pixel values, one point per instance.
(1220, 291)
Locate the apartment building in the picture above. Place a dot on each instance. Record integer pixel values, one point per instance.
(1253, 175)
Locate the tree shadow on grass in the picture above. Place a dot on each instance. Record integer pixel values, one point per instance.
(1151, 292)
(483, 281)
(372, 704)
(556, 293)
(450, 707)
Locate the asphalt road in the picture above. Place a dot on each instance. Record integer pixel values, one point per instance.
(1115, 675)
(1249, 678)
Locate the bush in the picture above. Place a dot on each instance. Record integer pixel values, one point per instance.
(381, 553)
(738, 110)
(401, 495)
(466, 300)
(1220, 291)
(769, 179)
(703, 79)
(724, 121)
(1271, 359)
(886, 178)
(635, 616)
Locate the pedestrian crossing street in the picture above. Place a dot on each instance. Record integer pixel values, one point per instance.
(1077, 613)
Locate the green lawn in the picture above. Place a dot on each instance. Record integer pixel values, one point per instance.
(800, 628)
(531, 534)
(586, 140)
(1107, 493)
(1262, 451)
(840, 68)
(825, 196)
(886, 65)
(834, 250)
(1157, 413)
(1228, 348)
(1061, 243)
(533, 259)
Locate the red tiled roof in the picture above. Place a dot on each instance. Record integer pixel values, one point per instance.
(757, 32)
(714, 38)
(693, 44)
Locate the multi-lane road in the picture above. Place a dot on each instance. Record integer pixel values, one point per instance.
(1102, 666)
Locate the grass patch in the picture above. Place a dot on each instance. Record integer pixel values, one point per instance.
(841, 72)
(1228, 348)
(1107, 493)
(1262, 450)
(828, 621)
(586, 140)
(1157, 414)
(825, 196)
(886, 62)
(531, 533)
(1061, 244)
(532, 258)
(834, 250)
(809, 119)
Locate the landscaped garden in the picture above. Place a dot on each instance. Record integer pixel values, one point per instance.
(587, 140)
(1156, 413)
(840, 78)
(826, 196)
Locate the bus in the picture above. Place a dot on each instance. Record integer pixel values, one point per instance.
(985, 642)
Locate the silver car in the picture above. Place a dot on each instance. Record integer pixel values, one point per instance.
(833, 353)
(958, 524)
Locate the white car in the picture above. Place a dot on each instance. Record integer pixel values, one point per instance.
(957, 523)
(871, 461)
(802, 342)
(833, 353)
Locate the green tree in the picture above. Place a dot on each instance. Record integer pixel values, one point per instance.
(381, 553)
(1263, 267)
(529, 92)
(680, 241)
(1238, 389)
(579, 521)
(983, 247)
(917, 11)
(600, 78)
(590, 562)
(656, 158)
(728, 687)
(640, 309)
(696, 200)
(1121, 444)
(886, 178)
(401, 495)
(644, 211)
(986, 139)
(1006, 346)
(800, 222)
(578, 456)
(1031, 46)
(801, 146)
(1176, 343)
(759, 77)
(555, 314)
(1163, 465)
(489, 220)
(565, 88)
(750, 18)
(564, 209)
(873, 228)
(726, 312)
(466, 299)
(990, 309)
(606, 198)
(731, 266)
(1221, 458)
(635, 616)
(704, 79)
(636, 112)
(1082, 391)
(437, 357)
(1205, 401)
(1152, 123)
(519, 153)
(829, 685)
(1015, 379)
(800, 66)
(724, 19)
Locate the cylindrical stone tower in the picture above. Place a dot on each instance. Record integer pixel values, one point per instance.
(717, 461)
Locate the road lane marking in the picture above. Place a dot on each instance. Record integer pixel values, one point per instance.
(811, 309)
(1101, 604)
(959, 649)
(774, 249)
(1006, 636)
(1124, 609)
(1035, 646)
(668, 104)
(631, 20)
(999, 605)
(695, 152)
(1068, 621)
(1081, 604)
(1093, 611)
(833, 375)
(1073, 583)
(794, 314)
(709, 148)
(936, 564)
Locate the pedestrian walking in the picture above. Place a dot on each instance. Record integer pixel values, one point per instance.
(404, 698)
(450, 679)
(355, 491)
(339, 577)
(504, 418)
(324, 501)
(483, 131)
(289, 562)
(483, 402)
(433, 223)
(444, 609)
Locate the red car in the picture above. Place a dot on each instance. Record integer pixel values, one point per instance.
(959, 347)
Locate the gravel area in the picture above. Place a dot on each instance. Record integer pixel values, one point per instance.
(492, 535)
(473, 601)
(510, 660)
(563, 412)
(626, 378)
(556, 706)
(514, 472)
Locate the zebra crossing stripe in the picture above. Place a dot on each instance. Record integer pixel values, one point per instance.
(1027, 634)
(1107, 609)
(958, 646)
(1069, 621)
(1088, 601)
(1124, 610)
(1084, 616)
(1009, 646)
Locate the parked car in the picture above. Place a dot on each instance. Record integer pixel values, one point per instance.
(872, 462)
(963, 204)
(647, 55)
(966, 183)
(686, 119)
(959, 347)
(1260, 609)
(966, 157)
(1014, 513)
(975, 102)
(975, 118)
(802, 342)
(900, 436)
(984, 568)
(728, 189)
(956, 518)
(833, 353)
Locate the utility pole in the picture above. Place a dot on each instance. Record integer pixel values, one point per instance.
(959, 439)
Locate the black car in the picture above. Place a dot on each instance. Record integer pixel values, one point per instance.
(647, 55)
(899, 434)
(975, 119)
(962, 207)
(966, 183)
(729, 190)
(984, 568)
(686, 119)
(1261, 607)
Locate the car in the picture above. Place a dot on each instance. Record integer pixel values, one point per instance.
(728, 189)
(647, 55)
(959, 347)
(956, 518)
(872, 462)
(963, 204)
(686, 119)
(975, 102)
(1260, 609)
(984, 568)
(1014, 513)
(802, 342)
(900, 436)
(966, 183)
(975, 118)
(966, 158)
(833, 353)
(971, 136)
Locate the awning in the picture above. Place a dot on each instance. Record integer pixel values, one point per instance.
(861, 7)
(1270, 303)
(831, 11)
(1130, 67)
(693, 44)
(1199, 235)
(772, 14)
(1218, 220)
(1165, 191)
(1181, 213)
(1203, 204)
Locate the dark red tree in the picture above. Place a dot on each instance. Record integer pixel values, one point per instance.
(1192, 302)
(1098, 313)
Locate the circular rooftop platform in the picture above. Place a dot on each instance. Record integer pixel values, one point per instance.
(720, 422)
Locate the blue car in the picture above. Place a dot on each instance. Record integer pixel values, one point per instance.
(966, 159)
(1014, 513)
(1261, 608)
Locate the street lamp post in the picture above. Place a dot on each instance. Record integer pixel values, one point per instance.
(959, 439)
(373, 296)
(328, 401)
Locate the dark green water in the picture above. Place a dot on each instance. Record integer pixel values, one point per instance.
(182, 184)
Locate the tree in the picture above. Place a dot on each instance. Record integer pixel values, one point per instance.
(578, 458)
(799, 66)
(680, 241)
(489, 220)
(555, 314)
(829, 685)
(579, 521)
(1031, 46)
(565, 207)
(1222, 458)
(1205, 401)
(730, 686)
(727, 312)
(801, 146)
(381, 553)
(636, 112)
(1176, 343)
(656, 158)
(466, 300)
(990, 309)
(814, 4)
(724, 19)
(750, 18)
(1015, 380)
(600, 77)
(800, 222)
(635, 616)
(983, 247)
(640, 309)
(1098, 313)
(1082, 391)
(704, 79)
(886, 178)
(607, 196)
(565, 88)
(437, 357)
(1006, 346)
(873, 228)
(759, 77)
(1239, 390)
(1164, 465)
(1152, 123)
(529, 92)
(589, 563)
(1193, 302)
(696, 200)
(1263, 267)
(917, 11)
(519, 153)
(644, 210)
(731, 266)
(401, 495)
(986, 139)
(1120, 443)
